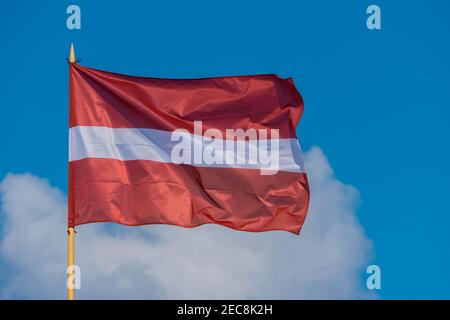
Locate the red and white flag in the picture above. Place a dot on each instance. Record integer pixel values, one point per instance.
(185, 152)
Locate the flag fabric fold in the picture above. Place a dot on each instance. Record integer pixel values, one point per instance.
(185, 152)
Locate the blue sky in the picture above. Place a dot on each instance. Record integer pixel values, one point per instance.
(376, 102)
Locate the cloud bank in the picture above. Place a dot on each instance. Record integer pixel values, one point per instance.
(161, 262)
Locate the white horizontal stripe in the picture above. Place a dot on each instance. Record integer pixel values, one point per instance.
(156, 145)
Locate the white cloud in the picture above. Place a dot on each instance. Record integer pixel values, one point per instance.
(325, 261)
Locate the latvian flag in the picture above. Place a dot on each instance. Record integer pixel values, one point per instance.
(185, 152)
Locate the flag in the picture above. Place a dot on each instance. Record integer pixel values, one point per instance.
(185, 152)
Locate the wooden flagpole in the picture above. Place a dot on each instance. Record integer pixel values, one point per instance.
(70, 264)
(71, 232)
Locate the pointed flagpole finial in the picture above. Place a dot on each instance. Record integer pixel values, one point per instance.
(72, 54)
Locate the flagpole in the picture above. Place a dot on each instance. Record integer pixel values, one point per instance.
(70, 264)
(71, 231)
